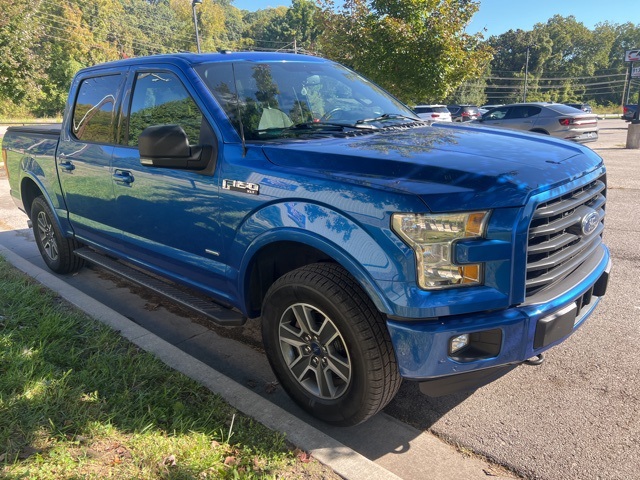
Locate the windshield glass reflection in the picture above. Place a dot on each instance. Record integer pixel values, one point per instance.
(286, 99)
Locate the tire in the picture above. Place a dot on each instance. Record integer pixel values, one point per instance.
(55, 248)
(317, 320)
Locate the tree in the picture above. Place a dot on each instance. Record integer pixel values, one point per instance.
(20, 66)
(283, 27)
(302, 23)
(568, 63)
(263, 29)
(417, 49)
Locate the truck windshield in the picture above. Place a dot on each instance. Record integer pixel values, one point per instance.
(276, 100)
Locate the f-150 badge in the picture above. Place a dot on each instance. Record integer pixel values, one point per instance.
(244, 187)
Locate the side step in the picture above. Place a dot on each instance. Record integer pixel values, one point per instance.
(217, 313)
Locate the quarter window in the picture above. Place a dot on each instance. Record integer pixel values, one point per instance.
(159, 98)
(93, 113)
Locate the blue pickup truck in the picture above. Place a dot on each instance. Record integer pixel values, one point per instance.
(373, 246)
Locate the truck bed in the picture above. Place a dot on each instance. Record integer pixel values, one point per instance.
(42, 129)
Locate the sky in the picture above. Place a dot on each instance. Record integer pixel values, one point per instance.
(499, 16)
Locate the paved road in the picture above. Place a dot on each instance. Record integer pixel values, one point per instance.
(574, 417)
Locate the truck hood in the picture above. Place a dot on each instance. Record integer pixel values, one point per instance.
(464, 167)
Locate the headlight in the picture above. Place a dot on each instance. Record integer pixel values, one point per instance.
(432, 238)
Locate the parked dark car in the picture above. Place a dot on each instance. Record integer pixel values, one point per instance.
(628, 111)
(585, 107)
(553, 119)
(464, 113)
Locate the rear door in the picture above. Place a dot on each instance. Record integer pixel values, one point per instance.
(517, 117)
(84, 156)
(522, 117)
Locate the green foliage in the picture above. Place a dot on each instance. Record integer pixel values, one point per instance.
(297, 27)
(567, 62)
(20, 69)
(78, 401)
(417, 49)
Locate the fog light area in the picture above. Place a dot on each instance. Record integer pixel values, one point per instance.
(474, 346)
(458, 343)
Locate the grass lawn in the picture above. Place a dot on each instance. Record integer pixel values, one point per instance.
(78, 401)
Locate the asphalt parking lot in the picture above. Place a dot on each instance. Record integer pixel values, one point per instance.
(577, 416)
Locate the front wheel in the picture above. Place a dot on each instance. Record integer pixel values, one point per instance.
(328, 345)
(55, 248)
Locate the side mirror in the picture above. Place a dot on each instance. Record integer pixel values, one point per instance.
(167, 146)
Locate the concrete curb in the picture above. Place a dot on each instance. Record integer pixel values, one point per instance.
(342, 459)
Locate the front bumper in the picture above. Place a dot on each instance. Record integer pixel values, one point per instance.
(422, 347)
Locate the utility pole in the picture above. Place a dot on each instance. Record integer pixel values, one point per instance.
(626, 87)
(526, 75)
(195, 22)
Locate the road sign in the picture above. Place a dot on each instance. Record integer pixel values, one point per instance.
(632, 55)
(635, 72)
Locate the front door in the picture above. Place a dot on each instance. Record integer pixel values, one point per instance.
(168, 217)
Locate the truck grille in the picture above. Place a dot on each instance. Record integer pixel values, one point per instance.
(563, 233)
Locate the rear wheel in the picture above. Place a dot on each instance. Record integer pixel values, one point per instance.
(55, 248)
(328, 345)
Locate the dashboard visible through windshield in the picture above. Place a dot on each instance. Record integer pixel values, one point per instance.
(284, 99)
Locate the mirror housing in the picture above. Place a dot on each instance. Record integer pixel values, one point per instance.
(167, 146)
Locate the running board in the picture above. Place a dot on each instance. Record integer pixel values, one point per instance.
(217, 313)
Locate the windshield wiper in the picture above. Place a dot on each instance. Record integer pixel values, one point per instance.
(313, 127)
(387, 116)
(331, 125)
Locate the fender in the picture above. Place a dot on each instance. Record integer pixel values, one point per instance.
(28, 193)
(366, 258)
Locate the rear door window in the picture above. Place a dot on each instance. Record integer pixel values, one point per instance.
(94, 111)
(524, 111)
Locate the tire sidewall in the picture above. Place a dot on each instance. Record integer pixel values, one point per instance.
(40, 206)
(344, 408)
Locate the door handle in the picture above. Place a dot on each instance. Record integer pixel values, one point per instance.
(123, 176)
(67, 166)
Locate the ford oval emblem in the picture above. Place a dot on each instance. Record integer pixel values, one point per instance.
(590, 222)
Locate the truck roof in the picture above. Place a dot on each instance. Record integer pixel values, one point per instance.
(186, 59)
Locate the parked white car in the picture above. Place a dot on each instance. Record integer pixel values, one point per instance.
(433, 113)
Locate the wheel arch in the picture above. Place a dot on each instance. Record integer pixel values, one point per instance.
(32, 187)
(29, 191)
(539, 130)
(272, 256)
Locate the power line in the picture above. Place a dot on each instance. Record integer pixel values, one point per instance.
(559, 78)
(48, 19)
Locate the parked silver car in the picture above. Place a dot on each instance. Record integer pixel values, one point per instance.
(553, 119)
